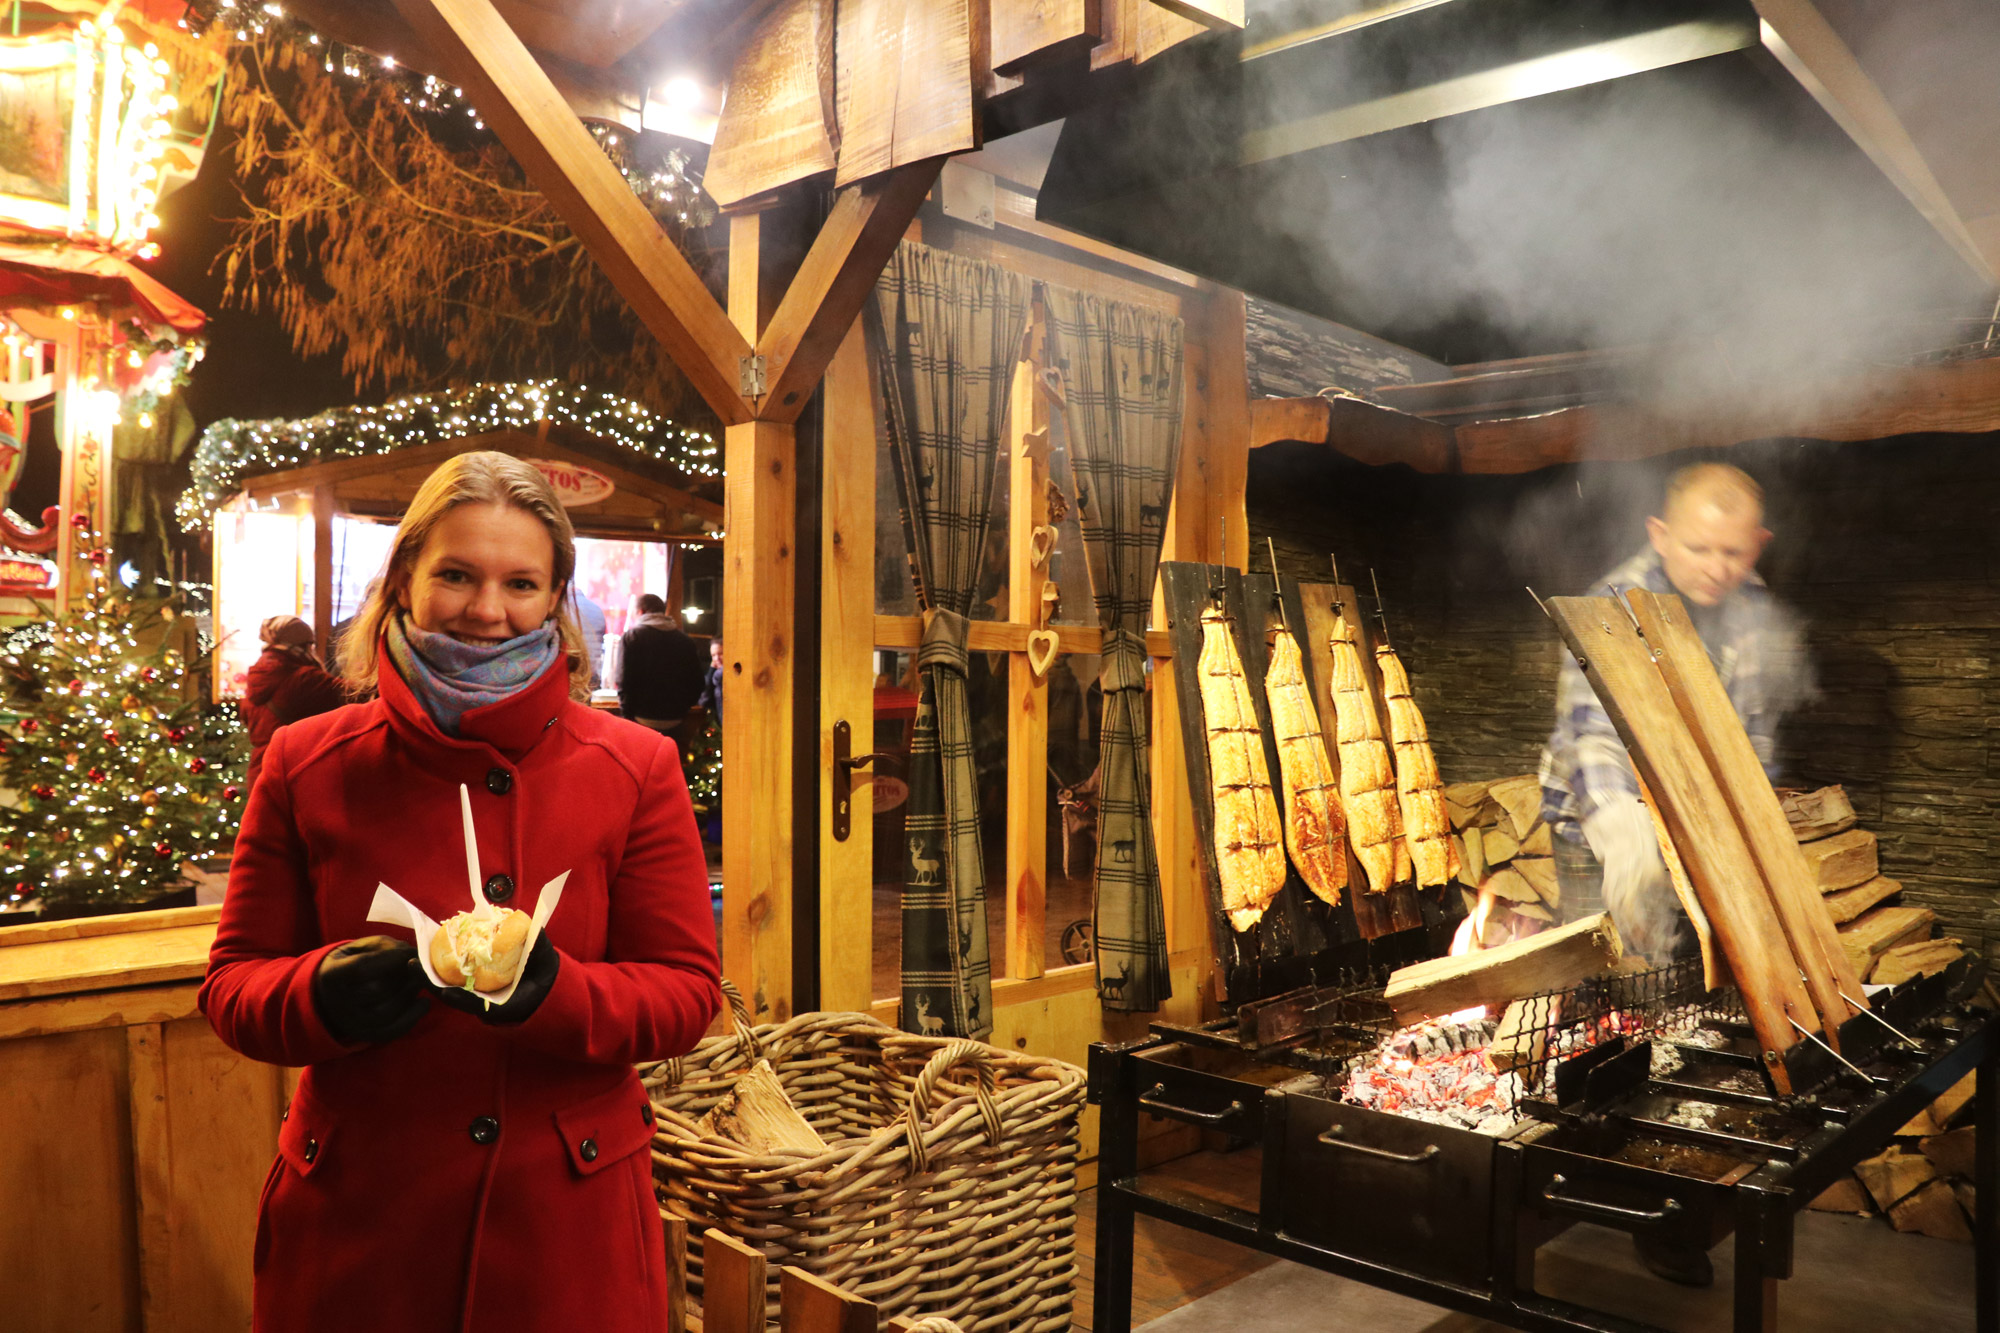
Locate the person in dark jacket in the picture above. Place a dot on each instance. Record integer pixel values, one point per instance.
(659, 668)
(286, 683)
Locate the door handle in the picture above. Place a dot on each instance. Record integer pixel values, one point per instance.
(1154, 1104)
(844, 764)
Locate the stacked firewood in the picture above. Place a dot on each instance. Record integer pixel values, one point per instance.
(1887, 942)
(1923, 1183)
(1503, 858)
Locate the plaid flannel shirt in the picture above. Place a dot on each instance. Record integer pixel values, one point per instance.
(1753, 643)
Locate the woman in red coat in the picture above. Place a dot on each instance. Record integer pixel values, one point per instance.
(285, 684)
(444, 1166)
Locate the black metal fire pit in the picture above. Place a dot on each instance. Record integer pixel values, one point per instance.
(1636, 1102)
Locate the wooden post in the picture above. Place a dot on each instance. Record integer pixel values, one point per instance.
(676, 595)
(733, 1297)
(847, 677)
(1027, 694)
(1219, 314)
(808, 1304)
(675, 1230)
(152, 1169)
(322, 610)
(758, 596)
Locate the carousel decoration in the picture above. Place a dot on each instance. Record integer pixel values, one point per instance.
(99, 117)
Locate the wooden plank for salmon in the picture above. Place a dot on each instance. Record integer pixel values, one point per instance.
(1621, 670)
(1721, 737)
(1405, 912)
(1552, 960)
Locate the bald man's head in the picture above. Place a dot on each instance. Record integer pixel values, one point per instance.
(1710, 531)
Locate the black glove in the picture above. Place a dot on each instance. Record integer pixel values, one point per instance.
(538, 976)
(370, 990)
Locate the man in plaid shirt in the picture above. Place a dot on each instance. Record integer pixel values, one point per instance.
(1704, 546)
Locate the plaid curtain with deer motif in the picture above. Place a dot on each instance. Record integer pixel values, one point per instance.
(1122, 372)
(947, 332)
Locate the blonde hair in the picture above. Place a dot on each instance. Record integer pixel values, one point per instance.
(482, 477)
(1728, 488)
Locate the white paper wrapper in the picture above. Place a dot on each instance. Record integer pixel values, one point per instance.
(391, 908)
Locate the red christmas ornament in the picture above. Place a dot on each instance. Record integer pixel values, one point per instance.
(79, 520)
(76, 687)
(96, 774)
(95, 557)
(162, 850)
(30, 725)
(43, 790)
(229, 793)
(110, 736)
(197, 765)
(150, 673)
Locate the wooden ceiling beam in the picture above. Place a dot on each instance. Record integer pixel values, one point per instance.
(836, 277)
(519, 101)
(1801, 39)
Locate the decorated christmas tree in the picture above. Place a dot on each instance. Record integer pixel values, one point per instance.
(114, 772)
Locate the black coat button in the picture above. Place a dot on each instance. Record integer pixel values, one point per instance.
(499, 888)
(499, 781)
(312, 1149)
(646, 1113)
(485, 1129)
(587, 1150)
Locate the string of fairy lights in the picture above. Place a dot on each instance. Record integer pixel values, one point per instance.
(230, 451)
(119, 777)
(665, 182)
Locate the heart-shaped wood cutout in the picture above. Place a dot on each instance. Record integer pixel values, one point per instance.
(1041, 651)
(1040, 544)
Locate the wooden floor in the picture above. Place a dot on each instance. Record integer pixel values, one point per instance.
(1172, 1266)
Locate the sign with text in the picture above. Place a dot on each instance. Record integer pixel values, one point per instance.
(573, 484)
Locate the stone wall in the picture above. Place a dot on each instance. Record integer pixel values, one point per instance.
(1891, 550)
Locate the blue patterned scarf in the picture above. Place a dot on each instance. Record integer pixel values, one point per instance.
(452, 677)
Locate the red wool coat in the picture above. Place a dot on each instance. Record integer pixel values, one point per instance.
(467, 1176)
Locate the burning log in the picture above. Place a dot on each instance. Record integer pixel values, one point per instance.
(1552, 960)
(1522, 1037)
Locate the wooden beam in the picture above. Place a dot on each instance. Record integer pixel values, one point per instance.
(758, 618)
(847, 677)
(1219, 321)
(521, 104)
(1027, 693)
(1216, 15)
(1029, 32)
(322, 607)
(1798, 35)
(1006, 636)
(839, 273)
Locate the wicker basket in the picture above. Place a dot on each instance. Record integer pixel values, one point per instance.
(948, 1186)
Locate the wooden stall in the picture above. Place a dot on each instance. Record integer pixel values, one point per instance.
(136, 1141)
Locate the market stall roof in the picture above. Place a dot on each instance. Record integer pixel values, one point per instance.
(1517, 177)
(636, 507)
(64, 275)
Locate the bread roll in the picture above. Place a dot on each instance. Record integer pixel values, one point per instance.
(480, 952)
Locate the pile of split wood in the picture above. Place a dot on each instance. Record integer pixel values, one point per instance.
(1923, 1183)
(1504, 855)
(1887, 942)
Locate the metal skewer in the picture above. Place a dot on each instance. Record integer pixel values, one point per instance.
(1861, 1008)
(1813, 1037)
(1381, 613)
(1539, 602)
